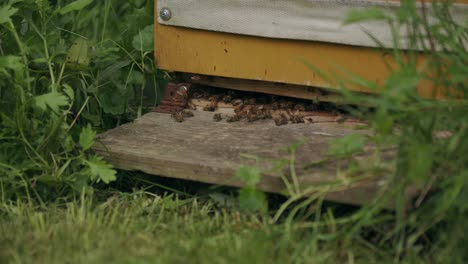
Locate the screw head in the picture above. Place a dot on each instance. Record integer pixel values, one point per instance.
(183, 89)
(165, 13)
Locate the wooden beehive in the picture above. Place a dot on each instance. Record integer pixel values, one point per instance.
(270, 41)
(258, 46)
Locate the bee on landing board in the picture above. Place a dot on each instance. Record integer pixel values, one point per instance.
(178, 116)
(233, 118)
(280, 119)
(187, 113)
(217, 117)
(181, 115)
(213, 104)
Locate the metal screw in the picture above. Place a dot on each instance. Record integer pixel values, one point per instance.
(183, 89)
(165, 13)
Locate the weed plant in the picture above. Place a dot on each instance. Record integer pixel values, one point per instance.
(140, 227)
(416, 151)
(67, 69)
(418, 145)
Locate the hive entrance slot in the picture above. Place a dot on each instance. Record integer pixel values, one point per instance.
(230, 105)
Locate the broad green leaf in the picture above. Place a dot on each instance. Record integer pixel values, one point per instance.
(101, 170)
(144, 40)
(11, 62)
(53, 100)
(75, 6)
(252, 200)
(136, 77)
(356, 16)
(6, 12)
(81, 182)
(87, 136)
(249, 175)
(113, 99)
(68, 91)
(78, 53)
(68, 143)
(94, 119)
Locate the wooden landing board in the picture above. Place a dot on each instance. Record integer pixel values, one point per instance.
(200, 149)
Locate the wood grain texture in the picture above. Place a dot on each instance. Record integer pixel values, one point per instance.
(282, 89)
(200, 149)
(311, 20)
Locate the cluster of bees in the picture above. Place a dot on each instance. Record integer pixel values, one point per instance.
(253, 112)
(247, 107)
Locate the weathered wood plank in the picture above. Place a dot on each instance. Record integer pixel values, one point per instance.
(202, 150)
(282, 89)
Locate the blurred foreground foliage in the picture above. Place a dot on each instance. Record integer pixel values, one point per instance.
(67, 69)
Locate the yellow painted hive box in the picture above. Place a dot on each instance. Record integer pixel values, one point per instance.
(270, 41)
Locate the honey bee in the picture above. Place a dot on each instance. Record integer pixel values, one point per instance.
(296, 119)
(209, 108)
(187, 113)
(217, 117)
(340, 119)
(214, 98)
(184, 92)
(233, 118)
(213, 104)
(280, 119)
(192, 106)
(263, 113)
(237, 102)
(252, 116)
(238, 108)
(299, 107)
(251, 101)
(275, 106)
(287, 114)
(308, 120)
(227, 98)
(286, 105)
(178, 116)
(255, 113)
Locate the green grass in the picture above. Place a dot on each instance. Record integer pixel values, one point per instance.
(139, 220)
(141, 227)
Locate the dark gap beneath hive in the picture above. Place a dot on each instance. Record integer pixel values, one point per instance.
(234, 105)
